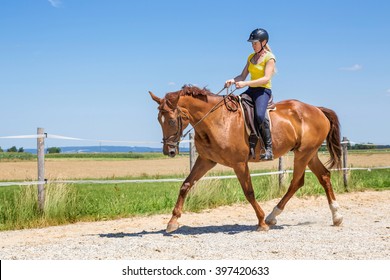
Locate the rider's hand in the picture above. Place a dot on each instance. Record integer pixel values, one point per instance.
(240, 84)
(228, 83)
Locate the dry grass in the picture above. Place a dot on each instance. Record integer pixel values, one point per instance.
(83, 169)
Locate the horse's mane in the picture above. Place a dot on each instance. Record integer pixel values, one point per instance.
(188, 90)
(194, 91)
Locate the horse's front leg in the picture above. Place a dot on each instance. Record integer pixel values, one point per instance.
(243, 175)
(200, 168)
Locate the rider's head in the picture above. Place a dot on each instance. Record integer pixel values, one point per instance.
(259, 35)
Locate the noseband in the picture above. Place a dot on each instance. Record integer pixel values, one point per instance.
(174, 139)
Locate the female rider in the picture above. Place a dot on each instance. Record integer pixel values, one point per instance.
(261, 66)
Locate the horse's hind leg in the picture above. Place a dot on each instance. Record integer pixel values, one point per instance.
(243, 175)
(300, 162)
(200, 168)
(323, 176)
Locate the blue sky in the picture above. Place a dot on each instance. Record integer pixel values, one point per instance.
(83, 68)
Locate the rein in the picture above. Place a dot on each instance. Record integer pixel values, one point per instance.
(172, 139)
(212, 110)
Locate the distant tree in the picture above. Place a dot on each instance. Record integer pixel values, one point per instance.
(54, 150)
(13, 149)
(21, 150)
(1, 150)
(323, 148)
(363, 146)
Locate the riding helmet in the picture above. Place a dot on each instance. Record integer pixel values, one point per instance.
(258, 34)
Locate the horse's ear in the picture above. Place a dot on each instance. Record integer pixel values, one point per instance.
(155, 98)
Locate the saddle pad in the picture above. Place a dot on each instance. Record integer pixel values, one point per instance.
(248, 112)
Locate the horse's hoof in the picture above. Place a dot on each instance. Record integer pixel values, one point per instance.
(337, 220)
(172, 227)
(263, 228)
(271, 222)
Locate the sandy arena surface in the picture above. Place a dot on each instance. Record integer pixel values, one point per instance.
(304, 231)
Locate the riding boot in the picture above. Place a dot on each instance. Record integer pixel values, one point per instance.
(252, 144)
(266, 135)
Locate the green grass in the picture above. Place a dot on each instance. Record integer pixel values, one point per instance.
(5, 156)
(68, 203)
(19, 209)
(122, 200)
(369, 151)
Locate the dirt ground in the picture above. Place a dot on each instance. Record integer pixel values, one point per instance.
(304, 231)
(84, 169)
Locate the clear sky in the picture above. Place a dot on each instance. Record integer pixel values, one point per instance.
(83, 68)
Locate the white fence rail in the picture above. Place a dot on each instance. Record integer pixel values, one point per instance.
(124, 181)
(41, 135)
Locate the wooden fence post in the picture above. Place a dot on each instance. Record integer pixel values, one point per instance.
(344, 144)
(281, 175)
(192, 150)
(41, 168)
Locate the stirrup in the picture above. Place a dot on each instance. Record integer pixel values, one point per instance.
(267, 156)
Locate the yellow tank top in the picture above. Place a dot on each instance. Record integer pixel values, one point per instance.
(257, 70)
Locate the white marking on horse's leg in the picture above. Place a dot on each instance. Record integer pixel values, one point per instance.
(337, 217)
(271, 218)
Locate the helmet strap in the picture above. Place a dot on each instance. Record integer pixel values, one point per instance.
(262, 47)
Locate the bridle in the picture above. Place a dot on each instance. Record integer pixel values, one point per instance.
(175, 139)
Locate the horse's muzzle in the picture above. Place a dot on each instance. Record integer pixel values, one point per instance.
(170, 150)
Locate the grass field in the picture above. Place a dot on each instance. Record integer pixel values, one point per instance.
(123, 167)
(67, 203)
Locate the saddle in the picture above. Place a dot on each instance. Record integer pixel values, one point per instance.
(251, 124)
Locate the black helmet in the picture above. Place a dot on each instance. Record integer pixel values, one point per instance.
(258, 34)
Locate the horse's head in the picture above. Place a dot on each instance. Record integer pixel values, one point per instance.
(172, 120)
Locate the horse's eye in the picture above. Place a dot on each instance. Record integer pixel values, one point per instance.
(172, 122)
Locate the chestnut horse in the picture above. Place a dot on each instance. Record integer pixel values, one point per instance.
(220, 137)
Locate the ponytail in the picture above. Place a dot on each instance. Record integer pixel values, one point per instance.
(268, 48)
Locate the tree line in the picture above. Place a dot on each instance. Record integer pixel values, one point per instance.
(14, 149)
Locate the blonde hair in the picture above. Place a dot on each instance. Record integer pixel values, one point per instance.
(268, 48)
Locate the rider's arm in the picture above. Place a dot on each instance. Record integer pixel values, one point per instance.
(240, 77)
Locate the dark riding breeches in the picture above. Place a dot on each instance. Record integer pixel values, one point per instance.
(260, 96)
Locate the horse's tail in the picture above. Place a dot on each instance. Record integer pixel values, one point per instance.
(333, 138)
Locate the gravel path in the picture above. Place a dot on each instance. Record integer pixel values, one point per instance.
(304, 231)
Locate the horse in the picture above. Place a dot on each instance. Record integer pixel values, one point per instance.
(221, 137)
